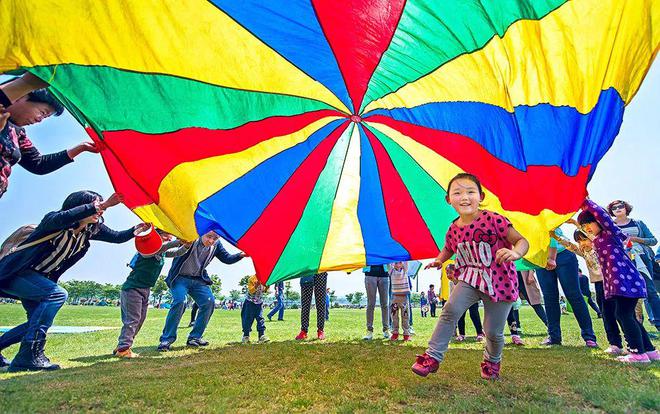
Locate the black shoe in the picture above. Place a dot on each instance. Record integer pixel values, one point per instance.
(196, 342)
(164, 346)
(4, 362)
(31, 357)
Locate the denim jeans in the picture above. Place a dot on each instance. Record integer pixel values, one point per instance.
(566, 273)
(279, 307)
(41, 299)
(201, 294)
(652, 300)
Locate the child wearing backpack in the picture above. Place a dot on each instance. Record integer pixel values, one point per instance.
(30, 271)
(134, 296)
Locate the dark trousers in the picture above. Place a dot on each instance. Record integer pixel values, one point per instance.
(607, 308)
(566, 273)
(318, 290)
(193, 312)
(591, 303)
(433, 306)
(514, 321)
(249, 312)
(636, 336)
(476, 320)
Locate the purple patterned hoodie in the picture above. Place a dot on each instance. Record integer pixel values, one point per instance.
(620, 276)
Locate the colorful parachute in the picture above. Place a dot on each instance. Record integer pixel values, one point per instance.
(320, 135)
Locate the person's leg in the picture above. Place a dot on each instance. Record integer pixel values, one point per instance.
(371, 285)
(461, 324)
(567, 271)
(395, 307)
(275, 309)
(651, 293)
(261, 322)
(540, 312)
(530, 291)
(495, 315)
(306, 292)
(625, 314)
(409, 312)
(405, 314)
(460, 299)
(607, 313)
(246, 319)
(178, 291)
(383, 297)
(476, 318)
(320, 284)
(511, 320)
(48, 297)
(280, 303)
(592, 304)
(131, 312)
(193, 312)
(203, 296)
(15, 334)
(548, 281)
(144, 293)
(433, 305)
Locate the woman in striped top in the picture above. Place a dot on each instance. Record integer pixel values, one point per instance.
(31, 274)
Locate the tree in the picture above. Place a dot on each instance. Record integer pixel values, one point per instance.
(349, 297)
(235, 294)
(216, 287)
(333, 297)
(111, 292)
(243, 283)
(357, 297)
(414, 298)
(159, 290)
(290, 294)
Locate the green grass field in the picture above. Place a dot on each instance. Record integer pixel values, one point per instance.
(342, 374)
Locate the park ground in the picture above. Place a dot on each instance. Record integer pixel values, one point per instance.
(341, 374)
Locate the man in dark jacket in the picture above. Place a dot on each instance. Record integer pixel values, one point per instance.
(188, 276)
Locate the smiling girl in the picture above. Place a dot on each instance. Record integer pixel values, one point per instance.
(485, 244)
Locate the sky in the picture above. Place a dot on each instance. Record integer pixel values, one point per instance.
(629, 171)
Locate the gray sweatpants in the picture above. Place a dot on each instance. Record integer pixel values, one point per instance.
(134, 304)
(382, 285)
(400, 304)
(460, 299)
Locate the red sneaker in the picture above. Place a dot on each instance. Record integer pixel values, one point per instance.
(406, 338)
(394, 337)
(490, 370)
(425, 365)
(320, 335)
(301, 336)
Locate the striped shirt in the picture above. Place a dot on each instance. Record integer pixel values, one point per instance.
(399, 280)
(67, 244)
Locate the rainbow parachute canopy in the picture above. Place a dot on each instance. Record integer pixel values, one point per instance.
(320, 135)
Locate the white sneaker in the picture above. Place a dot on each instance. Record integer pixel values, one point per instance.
(369, 336)
(245, 340)
(411, 330)
(386, 334)
(263, 339)
(614, 350)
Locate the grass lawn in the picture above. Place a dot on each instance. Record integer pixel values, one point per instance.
(341, 374)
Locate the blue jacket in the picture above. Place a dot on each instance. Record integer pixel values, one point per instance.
(218, 251)
(16, 263)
